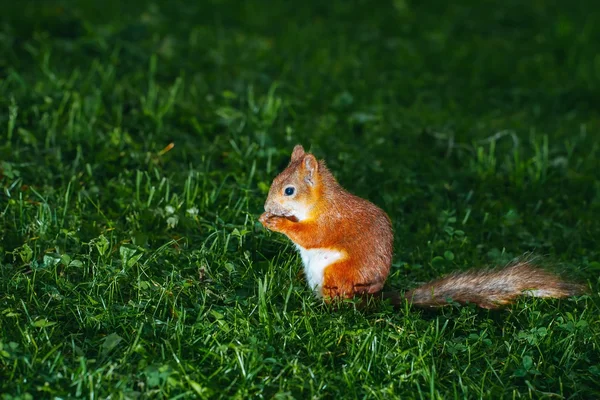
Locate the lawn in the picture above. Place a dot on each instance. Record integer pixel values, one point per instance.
(138, 141)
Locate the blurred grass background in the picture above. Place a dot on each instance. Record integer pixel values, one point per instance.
(138, 143)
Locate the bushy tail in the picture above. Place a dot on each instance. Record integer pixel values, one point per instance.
(493, 288)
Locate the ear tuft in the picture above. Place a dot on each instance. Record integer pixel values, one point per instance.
(310, 163)
(298, 152)
(311, 167)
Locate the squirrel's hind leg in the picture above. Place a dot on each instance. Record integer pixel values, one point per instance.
(342, 279)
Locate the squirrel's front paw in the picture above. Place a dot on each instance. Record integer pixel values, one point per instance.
(264, 218)
(271, 221)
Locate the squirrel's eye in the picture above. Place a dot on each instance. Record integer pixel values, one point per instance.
(289, 191)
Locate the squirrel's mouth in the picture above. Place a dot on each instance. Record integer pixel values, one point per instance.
(279, 211)
(288, 215)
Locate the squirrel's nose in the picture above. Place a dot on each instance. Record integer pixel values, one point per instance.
(274, 208)
(268, 206)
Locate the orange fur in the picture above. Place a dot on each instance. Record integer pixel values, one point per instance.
(336, 220)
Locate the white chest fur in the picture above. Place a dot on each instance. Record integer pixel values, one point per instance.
(315, 261)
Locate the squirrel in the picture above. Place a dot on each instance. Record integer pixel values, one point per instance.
(346, 246)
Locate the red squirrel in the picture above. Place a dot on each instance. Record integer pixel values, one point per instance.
(346, 245)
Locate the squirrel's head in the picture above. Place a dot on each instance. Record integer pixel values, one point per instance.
(294, 191)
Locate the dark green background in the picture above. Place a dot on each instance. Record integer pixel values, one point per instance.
(130, 270)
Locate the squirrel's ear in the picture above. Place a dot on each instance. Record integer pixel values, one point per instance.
(311, 166)
(298, 152)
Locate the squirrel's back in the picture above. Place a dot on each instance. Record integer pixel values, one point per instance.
(493, 288)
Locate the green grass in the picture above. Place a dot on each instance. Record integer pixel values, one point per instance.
(132, 268)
